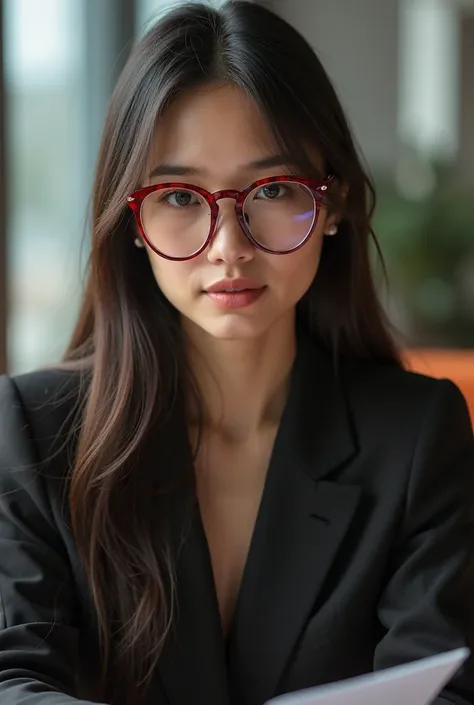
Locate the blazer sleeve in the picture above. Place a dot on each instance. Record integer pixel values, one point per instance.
(427, 605)
(38, 642)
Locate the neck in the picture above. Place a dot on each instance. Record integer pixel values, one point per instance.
(243, 384)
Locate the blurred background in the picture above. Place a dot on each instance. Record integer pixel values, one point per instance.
(404, 70)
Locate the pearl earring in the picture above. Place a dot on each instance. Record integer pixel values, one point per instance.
(332, 230)
(138, 242)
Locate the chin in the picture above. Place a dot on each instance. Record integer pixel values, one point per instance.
(233, 328)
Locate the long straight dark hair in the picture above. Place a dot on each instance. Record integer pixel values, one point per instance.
(127, 336)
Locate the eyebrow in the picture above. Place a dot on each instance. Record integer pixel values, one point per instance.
(274, 160)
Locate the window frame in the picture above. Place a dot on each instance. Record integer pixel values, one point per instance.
(4, 289)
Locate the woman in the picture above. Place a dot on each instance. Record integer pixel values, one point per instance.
(230, 488)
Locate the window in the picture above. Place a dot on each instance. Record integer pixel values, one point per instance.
(61, 61)
(43, 57)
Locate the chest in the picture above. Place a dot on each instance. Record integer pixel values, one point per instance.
(230, 482)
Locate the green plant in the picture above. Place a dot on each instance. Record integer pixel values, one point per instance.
(425, 224)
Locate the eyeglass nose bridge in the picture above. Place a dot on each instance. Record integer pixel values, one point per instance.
(239, 198)
(227, 193)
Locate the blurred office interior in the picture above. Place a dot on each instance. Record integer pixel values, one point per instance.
(404, 70)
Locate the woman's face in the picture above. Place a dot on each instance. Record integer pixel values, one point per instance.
(214, 135)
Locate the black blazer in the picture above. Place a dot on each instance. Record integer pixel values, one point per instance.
(358, 560)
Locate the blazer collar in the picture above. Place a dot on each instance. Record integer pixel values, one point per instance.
(302, 520)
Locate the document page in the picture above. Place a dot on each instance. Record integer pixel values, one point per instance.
(415, 683)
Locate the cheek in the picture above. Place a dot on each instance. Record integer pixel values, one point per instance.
(171, 277)
(296, 272)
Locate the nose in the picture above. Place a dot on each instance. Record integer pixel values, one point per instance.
(229, 243)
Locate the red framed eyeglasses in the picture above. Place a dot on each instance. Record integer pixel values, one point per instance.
(277, 214)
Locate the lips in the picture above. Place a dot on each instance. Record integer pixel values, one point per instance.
(235, 293)
(232, 286)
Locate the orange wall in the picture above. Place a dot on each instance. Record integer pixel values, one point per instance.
(457, 365)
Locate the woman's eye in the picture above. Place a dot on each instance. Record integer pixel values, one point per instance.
(271, 191)
(181, 198)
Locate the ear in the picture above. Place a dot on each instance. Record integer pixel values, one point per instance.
(334, 216)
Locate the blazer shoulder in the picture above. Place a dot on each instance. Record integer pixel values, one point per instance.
(395, 381)
(45, 387)
(374, 385)
(43, 406)
(401, 396)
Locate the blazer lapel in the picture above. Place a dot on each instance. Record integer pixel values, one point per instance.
(302, 521)
(192, 665)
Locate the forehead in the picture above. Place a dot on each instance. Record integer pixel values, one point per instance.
(212, 127)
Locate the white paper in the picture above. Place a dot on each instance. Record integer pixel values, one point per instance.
(415, 683)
